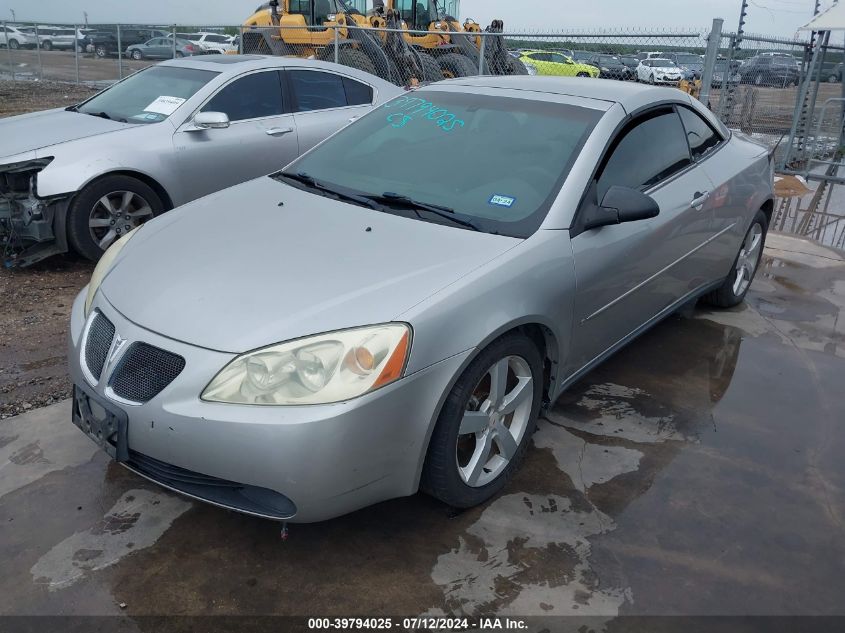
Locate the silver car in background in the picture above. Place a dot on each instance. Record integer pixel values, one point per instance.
(81, 177)
(391, 312)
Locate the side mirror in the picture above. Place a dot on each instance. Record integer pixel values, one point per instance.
(211, 121)
(619, 205)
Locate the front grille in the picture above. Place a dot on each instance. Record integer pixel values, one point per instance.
(144, 371)
(100, 336)
(229, 494)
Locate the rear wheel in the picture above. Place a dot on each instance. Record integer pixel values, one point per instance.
(453, 65)
(758, 80)
(736, 285)
(179, 54)
(47, 46)
(518, 68)
(356, 59)
(108, 209)
(14, 45)
(484, 429)
(100, 51)
(583, 74)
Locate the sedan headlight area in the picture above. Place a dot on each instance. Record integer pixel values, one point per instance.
(320, 369)
(104, 266)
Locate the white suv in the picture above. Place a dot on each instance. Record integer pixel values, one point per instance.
(15, 38)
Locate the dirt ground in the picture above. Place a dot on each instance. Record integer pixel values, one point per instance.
(35, 302)
(19, 97)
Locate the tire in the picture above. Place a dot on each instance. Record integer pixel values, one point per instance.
(651, 80)
(831, 79)
(732, 292)
(445, 476)
(758, 80)
(453, 65)
(100, 51)
(430, 68)
(582, 75)
(356, 59)
(87, 208)
(47, 46)
(137, 55)
(179, 54)
(518, 68)
(14, 45)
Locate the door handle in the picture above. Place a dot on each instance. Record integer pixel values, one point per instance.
(699, 198)
(278, 131)
(354, 118)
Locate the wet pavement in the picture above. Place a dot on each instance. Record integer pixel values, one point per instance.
(699, 471)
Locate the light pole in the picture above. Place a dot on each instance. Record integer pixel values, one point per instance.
(14, 17)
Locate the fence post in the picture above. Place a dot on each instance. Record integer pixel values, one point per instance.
(240, 40)
(38, 52)
(726, 87)
(119, 55)
(76, 45)
(336, 46)
(174, 41)
(482, 50)
(9, 51)
(713, 41)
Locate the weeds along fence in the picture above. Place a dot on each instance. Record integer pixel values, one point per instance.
(785, 93)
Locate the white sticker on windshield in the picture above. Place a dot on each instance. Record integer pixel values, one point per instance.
(502, 201)
(165, 105)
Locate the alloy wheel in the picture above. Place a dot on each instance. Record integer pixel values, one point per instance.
(495, 421)
(115, 214)
(746, 263)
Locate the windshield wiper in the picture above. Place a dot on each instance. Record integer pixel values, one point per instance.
(311, 183)
(448, 213)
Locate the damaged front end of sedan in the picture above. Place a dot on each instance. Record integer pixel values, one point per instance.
(31, 227)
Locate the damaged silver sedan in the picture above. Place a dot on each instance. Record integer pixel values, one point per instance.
(79, 178)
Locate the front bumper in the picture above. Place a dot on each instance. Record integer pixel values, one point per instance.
(327, 460)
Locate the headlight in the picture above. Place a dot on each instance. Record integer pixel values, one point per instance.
(104, 266)
(531, 68)
(320, 369)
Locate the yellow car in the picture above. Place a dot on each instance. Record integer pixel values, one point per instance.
(556, 64)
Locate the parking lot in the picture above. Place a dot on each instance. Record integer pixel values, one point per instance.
(697, 472)
(62, 65)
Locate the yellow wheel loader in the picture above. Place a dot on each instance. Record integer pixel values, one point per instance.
(455, 47)
(332, 30)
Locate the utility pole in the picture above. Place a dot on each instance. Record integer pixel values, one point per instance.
(14, 17)
(85, 13)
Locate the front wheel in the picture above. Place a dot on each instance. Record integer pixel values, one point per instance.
(582, 74)
(483, 431)
(47, 46)
(136, 55)
(14, 45)
(100, 51)
(736, 285)
(108, 209)
(651, 80)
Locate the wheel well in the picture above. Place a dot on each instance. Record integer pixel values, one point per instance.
(545, 341)
(147, 180)
(768, 209)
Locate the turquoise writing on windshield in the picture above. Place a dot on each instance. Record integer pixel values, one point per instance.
(408, 109)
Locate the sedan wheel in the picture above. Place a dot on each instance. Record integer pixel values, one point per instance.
(651, 79)
(136, 55)
(736, 285)
(107, 210)
(483, 431)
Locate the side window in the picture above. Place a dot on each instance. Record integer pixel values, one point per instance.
(251, 97)
(317, 90)
(700, 136)
(637, 161)
(357, 93)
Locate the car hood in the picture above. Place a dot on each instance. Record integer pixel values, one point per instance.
(235, 271)
(36, 131)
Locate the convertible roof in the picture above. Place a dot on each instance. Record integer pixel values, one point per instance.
(628, 94)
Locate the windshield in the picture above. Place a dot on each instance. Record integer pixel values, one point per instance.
(496, 161)
(149, 96)
(608, 59)
(689, 59)
(661, 63)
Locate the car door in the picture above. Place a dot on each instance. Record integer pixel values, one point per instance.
(324, 102)
(627, 274)
(563, 66)
(261, 137)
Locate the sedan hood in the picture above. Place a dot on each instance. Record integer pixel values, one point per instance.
(236, 270)
(39, 130)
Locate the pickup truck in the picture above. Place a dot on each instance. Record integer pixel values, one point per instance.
(103, 41)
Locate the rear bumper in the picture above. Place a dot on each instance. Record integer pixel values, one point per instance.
(326, 460)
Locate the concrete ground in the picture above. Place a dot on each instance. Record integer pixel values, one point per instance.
(700, 471)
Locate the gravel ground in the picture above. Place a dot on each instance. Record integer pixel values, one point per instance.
(18, 97)
(35, 302)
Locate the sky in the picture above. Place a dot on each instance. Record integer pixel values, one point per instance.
(770, 17)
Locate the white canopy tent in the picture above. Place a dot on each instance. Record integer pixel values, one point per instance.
(831, 20)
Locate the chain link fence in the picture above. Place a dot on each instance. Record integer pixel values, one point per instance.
(785, 93)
